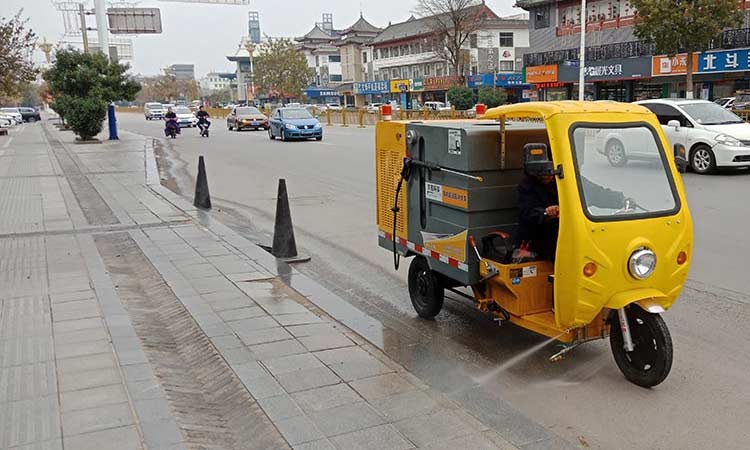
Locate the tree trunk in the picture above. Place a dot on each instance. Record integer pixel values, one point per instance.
(689, 79)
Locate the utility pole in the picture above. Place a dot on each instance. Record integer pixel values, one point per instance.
(582, 55)
(102, 27)
(84, 32)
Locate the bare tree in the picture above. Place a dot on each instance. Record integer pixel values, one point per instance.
(452, 22)
(16, 48)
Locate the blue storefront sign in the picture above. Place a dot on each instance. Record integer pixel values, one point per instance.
(372, 87)
(501, 80)
(724, 61)
(321, 92)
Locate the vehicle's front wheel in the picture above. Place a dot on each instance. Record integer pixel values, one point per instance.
(229, 127)
(702, 160)
(651, 359)
(282, 135)
(319, 138)
(616, 153)
(425, 290)
(270, 135)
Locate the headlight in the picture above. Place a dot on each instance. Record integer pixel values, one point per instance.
(317, 126)
(289, 126)
(642, 263)
(728, 140)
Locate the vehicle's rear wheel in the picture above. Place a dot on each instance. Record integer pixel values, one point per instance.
(616, 153)
(702, 160)
(425, 290)
(651, 359)
(270, 135)
(32, 119)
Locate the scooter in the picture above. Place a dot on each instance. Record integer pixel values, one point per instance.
(172, 128)
(204, 126)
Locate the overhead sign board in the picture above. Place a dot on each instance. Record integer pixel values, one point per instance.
(213, 2)
(134, 20)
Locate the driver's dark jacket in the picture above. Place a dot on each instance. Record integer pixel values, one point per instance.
(539, 230)
(170, 115)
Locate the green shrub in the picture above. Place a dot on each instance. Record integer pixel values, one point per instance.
(461, 97)
(492, 97)
(86, 116)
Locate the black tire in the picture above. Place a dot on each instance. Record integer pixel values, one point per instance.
(282, 135)
(319, 138)
(425, 290)
(229, 127)
(702, 160)
(651, 359)
(270, 135)
(616, 153)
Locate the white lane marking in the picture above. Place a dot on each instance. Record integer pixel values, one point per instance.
(8, 143)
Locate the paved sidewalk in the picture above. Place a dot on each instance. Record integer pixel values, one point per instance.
(131, 320)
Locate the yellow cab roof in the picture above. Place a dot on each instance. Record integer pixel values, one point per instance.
(545, 110)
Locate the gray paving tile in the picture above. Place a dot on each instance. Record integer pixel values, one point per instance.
(75, 349)
(249, 371)
(29, 421)
(25, 350)
(326, 397)
(469, 441)
(80, 324)
(55, 444)
(87, 335)
(263, 387)
(346, 418)
(257, 323)
(281, 305)
(92, 397)
(63, 297)
(95, 419)
(408, 404)
(229, 304)
(223, 343)
(298, 430)
(239, 355)
(439, 427)
(137, 372)
(161, 434)
(27, 382)
(384, 437)
(382, 386)
(291, 363)
(153, 409)
(145, 389)
(76, 314)
(278, 349)
(323, 444)
(304, 318)
(343, 354)
(121, 438)
(354, 370)
(302, 380)
(325, 341)
(74, 381)
(280, 407)
(311, 329)
(86, 363)
(554, 443)
(254, 337)
(247, 312)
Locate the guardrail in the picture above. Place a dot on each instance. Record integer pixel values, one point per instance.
(743, 113)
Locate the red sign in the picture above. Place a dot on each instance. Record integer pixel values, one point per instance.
(441, 83)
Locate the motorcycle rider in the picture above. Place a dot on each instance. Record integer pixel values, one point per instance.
(171, 119)
(203, 122)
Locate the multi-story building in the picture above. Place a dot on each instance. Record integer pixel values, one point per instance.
(322, 55)
(217, 81)
(356, 57)
(618, 66)
(406, 54)
(181, 71)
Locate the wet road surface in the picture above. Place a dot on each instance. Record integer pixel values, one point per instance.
(703, 404)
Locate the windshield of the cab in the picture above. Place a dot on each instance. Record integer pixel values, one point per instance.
(622, 172)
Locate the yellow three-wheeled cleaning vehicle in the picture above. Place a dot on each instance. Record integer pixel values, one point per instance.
(447, 194)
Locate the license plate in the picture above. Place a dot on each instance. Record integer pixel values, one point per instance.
(255, 124)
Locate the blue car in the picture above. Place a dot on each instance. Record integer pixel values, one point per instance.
(294, 123)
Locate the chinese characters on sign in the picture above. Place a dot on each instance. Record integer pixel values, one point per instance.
(724, 61)
(603, 71)
(371, 87)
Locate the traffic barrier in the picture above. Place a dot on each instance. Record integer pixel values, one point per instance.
(481, 108)
(386, 112)
(343, 118)
(361, 114)
(284, 245)
(328, 116)
(202, 197)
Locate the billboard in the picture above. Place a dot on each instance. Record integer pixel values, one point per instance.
(134, 20)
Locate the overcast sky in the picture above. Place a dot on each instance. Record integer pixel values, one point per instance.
(204, 34)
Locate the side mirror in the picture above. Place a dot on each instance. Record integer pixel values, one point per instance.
(680, 159)
(536, 162)
(674, 124)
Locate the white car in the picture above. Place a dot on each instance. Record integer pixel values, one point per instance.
(185, 116)
(334, 106)
(437, 106)
(725, 102)
(6, 120)
(713, 136)
(154, 110)
(15, 113)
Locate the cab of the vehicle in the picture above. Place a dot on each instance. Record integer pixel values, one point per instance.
(625, 233)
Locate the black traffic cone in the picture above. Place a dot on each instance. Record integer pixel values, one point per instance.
(202, 197)
(284, 246)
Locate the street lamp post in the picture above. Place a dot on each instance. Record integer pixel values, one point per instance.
(102, 28)
(582, 55)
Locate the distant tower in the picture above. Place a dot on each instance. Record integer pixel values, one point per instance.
(327, 22)
(46, 48)
(253, 26)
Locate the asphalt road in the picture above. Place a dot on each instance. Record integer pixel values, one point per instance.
(705, 402)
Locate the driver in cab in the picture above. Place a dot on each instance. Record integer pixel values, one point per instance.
(539, 210)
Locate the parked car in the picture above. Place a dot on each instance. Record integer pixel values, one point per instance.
(713, 136)
(6, 120)
(373, 108)
(333, 106)
(291, 123)
(29, 114)
(725, 102)
(153, 110)
(437, 106)
(15, 113)
(246, 117)
(185, 117)
(741, 101)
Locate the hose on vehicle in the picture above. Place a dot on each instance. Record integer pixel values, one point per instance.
(405, 174)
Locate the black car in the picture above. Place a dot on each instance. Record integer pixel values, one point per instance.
(30, 114)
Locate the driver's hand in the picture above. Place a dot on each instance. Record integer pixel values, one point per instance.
(552, 212)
